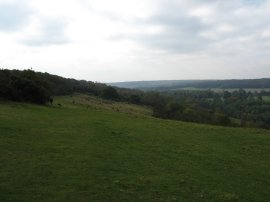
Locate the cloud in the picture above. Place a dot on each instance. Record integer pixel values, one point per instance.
(49, 32)
(255, 2)
(32, 28)
(13, 16)
(178, 33)
(129, 40)
(171, 28)
(192, 26)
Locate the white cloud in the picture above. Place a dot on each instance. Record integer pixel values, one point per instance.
(45, 32)
(13, 16)
(132, 40)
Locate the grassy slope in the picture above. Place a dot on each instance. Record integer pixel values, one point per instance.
(95, 153)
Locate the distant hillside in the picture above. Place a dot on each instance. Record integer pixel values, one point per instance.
(176, 84)
(248, 109)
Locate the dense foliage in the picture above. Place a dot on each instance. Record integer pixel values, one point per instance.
(23, 86)
(246, 109)
(36, 87)
(229, 108)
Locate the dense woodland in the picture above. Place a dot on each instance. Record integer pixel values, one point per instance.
(36, 87)
(236, 108)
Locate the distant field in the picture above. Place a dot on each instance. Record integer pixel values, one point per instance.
(246, 89)
(266, 98)
(221, 89)
(87, 149)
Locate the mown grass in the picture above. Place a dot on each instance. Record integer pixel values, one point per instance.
(84, 151)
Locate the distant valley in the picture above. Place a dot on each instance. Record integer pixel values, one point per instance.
(165, 85)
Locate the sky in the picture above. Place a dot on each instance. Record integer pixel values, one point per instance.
(128, 40)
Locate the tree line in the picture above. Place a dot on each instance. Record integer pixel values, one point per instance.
(37, 87)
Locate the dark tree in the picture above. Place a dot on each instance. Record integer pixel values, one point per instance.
(110, 93)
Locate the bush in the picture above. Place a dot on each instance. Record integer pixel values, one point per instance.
(110, 93)
(220, 119)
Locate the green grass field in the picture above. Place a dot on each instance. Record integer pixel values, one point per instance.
(94, 150)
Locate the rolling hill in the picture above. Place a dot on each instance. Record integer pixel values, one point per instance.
(84, 148)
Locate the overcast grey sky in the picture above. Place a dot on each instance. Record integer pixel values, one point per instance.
(123, 40)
